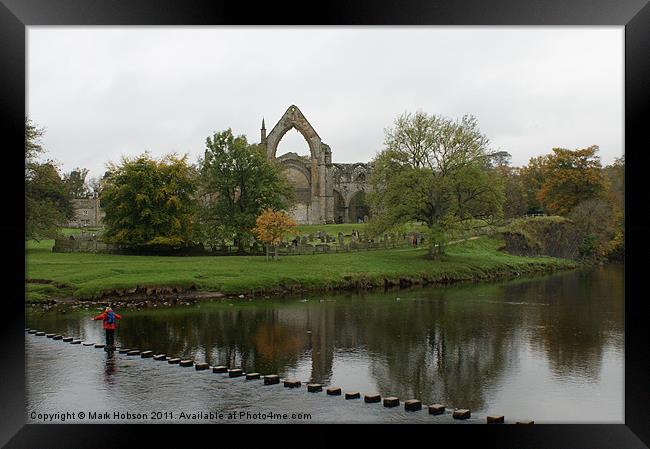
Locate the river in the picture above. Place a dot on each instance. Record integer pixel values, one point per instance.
(549, 349)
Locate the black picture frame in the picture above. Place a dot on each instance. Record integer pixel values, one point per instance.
(15, 15)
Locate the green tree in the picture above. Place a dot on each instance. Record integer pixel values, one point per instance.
(532, 178)
(149, 201)
(436, 171)
(239, 183)
(615, 195)
(47, 202)
(594, 221)
(76, 182)
(499, 159)
(570, 178)
(515, 204)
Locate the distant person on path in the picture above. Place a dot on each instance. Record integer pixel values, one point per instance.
(110, 323)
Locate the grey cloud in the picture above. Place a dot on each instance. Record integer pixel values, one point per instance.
(103, 92)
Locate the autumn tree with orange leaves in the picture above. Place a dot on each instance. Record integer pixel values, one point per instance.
(271, 227)
(570, 178)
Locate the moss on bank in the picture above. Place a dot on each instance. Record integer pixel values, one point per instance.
(549, 235)
(87, 276)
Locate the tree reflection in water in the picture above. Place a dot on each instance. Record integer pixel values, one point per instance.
(452, 344)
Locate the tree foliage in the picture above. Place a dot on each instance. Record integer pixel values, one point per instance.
(573, 184)
(76, 183)
(271, 227)
(47, 202)
(593, 219)
(238, 183)
(532, 179)
(570, 177)
(615, 195)
(149, 201)
(515, 203)
(437, 171)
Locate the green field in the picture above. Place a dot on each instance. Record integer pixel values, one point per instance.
(331, 229)
(85, 275)
(77, 231)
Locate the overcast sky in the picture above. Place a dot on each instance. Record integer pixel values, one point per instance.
(104, 92)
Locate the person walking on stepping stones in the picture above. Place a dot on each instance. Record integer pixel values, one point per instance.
(110, 323)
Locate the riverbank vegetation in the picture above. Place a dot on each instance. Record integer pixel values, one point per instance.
(86, 276)
(436, 178)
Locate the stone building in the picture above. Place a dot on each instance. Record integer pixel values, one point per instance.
(326, 192)
(87, 212)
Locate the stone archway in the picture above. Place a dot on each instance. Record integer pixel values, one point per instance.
(340, 208)
(298, 172)
(322, 201)
(293, 118)
(358, 208)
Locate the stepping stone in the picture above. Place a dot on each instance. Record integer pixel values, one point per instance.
(495, 419)
(124, 350)
(99, 345)
(174, 360)
(271, 379)
(436, 409)
(371, 398)
(57, 337)
(133, 352)
(220, 369)
(31, 331)
(352, 395)
(461, 413)
(412, 405)
(67, 339)
(292, 383)
(391, 401)
(49, 335)
(186, 362)
(40, 334)
(333, 391)
(160, 357)
(146, 354)
(314, 388)
(86, 343)
(201, 366)
(252, 376)
(75, 342)
(526, 422)
(236, 372)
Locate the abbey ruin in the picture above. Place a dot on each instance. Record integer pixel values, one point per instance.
(326, 192)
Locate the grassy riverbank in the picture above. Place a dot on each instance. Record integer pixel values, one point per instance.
(84, 276)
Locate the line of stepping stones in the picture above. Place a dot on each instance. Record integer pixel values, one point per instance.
(272, 379)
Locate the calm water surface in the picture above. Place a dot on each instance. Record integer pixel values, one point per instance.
(548, 348)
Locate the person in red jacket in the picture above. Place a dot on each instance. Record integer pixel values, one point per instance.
(110, 324)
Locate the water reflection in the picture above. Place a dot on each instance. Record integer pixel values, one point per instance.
(462, 345)
(110, 367)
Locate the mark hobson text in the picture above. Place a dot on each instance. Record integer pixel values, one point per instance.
(210, 416)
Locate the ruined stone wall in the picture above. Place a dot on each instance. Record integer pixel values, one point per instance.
(326, 192)
(350, 186)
